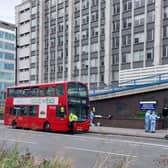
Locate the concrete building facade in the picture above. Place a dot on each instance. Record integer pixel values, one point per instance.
(7, 58)
(89, 40)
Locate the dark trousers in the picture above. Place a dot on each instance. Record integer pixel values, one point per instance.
(71, 127)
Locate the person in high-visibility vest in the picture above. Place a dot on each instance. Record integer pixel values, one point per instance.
(72, 119)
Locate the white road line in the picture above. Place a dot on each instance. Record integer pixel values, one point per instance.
(105, 140)
(17, 141)
(97, 151)
(139, 143)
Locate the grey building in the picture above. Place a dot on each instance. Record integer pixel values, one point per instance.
(89, 40)
(7, 58)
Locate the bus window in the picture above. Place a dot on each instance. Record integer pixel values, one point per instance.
(18, 92)
(60, 112)
(42, 92)
(77, 89)
(59, 90)
(15, 111)
(11, 92)
(72, 89)
(50, 91)
(24, 111)
(26, 92)
(35, 91)
(32, 111)
(82, 90)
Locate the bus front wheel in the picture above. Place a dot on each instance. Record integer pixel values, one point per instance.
(46, 126)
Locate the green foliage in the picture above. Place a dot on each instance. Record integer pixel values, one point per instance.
(140, 115)
(12, 159)
(1, 111)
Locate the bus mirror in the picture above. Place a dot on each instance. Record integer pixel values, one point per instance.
(62, 109)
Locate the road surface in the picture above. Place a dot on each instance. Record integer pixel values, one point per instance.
(88, 150)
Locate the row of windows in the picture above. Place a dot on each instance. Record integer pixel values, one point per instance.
(32, 111)
(137, 56)
(6, 76)
(7, 46)
(127, 5)
(7, 36)
(6, 66)
(8, 56)
(24, 111)
(26, 92)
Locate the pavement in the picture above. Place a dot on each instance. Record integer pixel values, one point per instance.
(160, 134)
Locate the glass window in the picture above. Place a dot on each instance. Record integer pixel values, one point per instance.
(24, 111)
(150, 35)
(50, 91)
(165, 51)
(60, 112)
(139, 38)
(77, 89)
(60, 90)
(32, 111)
(27, 92)
(139, 20)
(35, 91)
(15, 111)
(18, 92)
(42, 91)
(11, 92)
(138, 56)
(151, 16)
(149, 54)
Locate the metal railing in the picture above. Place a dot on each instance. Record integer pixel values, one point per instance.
(144, 82)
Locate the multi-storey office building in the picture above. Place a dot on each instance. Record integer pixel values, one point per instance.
(7, 57)
(89, 40)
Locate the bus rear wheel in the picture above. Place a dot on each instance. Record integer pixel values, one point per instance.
(14, 124)
(47, 127)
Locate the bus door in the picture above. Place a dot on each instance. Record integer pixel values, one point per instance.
(57, 114)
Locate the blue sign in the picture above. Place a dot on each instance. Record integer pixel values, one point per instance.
(147, 105)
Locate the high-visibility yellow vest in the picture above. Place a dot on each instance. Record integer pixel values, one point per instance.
(72, 117)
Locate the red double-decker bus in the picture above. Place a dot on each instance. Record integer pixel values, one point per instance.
(47, 106)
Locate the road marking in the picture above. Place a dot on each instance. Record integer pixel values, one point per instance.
(139, 143)
(98, 151)
(105, 140)
(17, 141)
(85, 138)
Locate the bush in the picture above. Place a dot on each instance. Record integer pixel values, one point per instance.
(140, 115)
(12, 159)
(1, 111)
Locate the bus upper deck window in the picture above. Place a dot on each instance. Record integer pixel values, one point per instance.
(50, 91)
(26, 92)
(35, 91)
(11, 92)
(42, 92)
(60, 90)
(18, 92)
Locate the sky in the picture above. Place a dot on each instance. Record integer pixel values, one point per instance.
(7, 10)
